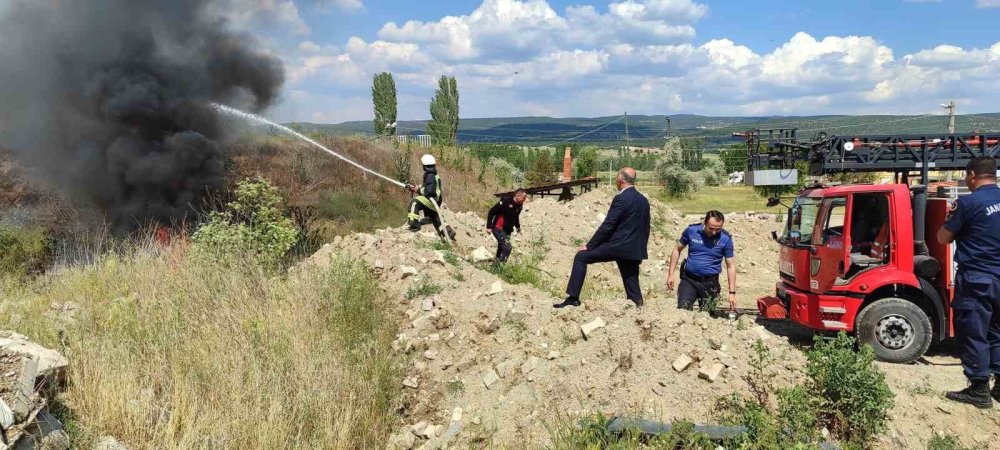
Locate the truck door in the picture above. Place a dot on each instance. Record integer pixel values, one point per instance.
(830, 256)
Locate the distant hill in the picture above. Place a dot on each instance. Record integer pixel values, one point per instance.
(650, 130)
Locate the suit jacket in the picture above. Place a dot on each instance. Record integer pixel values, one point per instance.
(626, 228)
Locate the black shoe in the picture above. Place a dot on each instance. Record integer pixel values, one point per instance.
(977, 394)
(570, 301)
(638, 303)
(995, 393)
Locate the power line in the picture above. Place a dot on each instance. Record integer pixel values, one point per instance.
(584, 134)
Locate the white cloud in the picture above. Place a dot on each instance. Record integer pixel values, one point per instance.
(249, 14)
(523, 57)
(343, 5)
(987, 3)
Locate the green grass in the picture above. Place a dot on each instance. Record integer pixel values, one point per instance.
(423, 288)
(727, 199)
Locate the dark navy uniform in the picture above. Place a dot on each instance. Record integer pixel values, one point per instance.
(975, 221)
(700, 271)
(502, 219)
(421, 203)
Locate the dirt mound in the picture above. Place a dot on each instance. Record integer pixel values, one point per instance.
(494, 363)
(500, 360)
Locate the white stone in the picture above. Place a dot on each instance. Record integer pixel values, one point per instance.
(589, 328)
(427, 304)
(404, 440)
(431, 354)
(439, 258)
(530, 365)
(406, 272)
(411, 382)
(552, 355)
(481, 255)
(682, 362)
(506, 368)
(419, 427)
(496, 288)
(490, 378)
(456, 415)
(109, 443)
(711, 373)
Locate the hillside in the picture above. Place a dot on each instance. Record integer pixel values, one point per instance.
(649, 130)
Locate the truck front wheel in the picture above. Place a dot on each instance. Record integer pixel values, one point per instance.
(898, 330)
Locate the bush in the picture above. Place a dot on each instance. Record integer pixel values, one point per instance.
(676, 181)
(252, 224)
(24, 251)
(542, 170)
(586, 162)
(855, 397)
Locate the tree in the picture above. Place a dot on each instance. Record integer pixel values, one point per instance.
(384, 98)
(542, 170)
(443, 126)
(586, 162)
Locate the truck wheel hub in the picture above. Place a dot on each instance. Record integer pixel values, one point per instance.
(894, 332)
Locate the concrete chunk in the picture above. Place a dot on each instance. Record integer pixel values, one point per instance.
(490, 378)
(49, 361)
(25, 388)
(711, 373)
(592, 326)
(428, 304)
(407, 272)
(411, 382)
(480, 255)
(682, 362)
(552, 355)
(506, 368)
(496, 288)
(530, 365)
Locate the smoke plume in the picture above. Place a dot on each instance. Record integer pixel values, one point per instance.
(110, 99)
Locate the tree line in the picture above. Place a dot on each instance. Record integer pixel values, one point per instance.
(443, 126)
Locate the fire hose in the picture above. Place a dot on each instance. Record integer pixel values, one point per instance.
(450, 233)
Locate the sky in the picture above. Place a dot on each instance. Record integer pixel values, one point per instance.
(577, 58)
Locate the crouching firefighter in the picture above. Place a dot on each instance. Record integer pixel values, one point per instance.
(427, 199)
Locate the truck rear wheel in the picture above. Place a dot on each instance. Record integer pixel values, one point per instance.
(898, 330)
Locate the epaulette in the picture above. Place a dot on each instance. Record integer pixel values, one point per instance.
(727, 233)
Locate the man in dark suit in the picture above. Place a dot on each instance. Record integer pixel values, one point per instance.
(622, 238)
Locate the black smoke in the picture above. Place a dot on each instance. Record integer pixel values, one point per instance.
(110, 100)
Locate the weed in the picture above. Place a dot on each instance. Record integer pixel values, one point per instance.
(759, 379)
(458, 276)
(577, 242)
(856, 398)
(592, 432)
(451, 258)
(423, 288)
(455, 387)
(24, 251)
(710, 304)
(798, 413)
(518, 327)
(519, 269)
(945, 442)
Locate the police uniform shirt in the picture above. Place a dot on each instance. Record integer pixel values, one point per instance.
(975, 221)
(705, 254)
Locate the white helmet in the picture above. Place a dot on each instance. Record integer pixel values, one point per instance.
(428, 160)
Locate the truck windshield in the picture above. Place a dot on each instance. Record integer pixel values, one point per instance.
(801, 218)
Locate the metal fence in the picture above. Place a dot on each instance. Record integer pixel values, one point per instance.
(415, 140)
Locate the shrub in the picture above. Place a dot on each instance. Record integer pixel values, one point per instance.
(252, 224)
(592, 432)
(855, 397)
(24, 251)
(677, 181)
(425, 287)
(542, 170)
(798, 413)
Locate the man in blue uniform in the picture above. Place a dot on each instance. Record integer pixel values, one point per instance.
(974, 225)
(708, 244)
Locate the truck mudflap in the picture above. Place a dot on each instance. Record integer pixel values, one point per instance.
(771, 308)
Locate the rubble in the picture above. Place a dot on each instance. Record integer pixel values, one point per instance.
(682, 362)
(490, 378)
(711, 373)
(589, 327)
(495, 288)
(406, 272)
(25, 369)
(480, 255)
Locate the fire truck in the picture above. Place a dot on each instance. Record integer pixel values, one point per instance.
(864, 258)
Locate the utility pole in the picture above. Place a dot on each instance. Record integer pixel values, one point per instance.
(626, 137)
(951, 123)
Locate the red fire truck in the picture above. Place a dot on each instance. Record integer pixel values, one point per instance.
(857, 257)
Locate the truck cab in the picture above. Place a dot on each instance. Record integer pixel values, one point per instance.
(852, 258)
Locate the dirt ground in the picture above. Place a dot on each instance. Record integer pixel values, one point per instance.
(495, 363)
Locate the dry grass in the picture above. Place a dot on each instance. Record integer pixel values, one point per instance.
(172, 353)
(346, 200)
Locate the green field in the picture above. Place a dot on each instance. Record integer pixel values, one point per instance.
(723, 198)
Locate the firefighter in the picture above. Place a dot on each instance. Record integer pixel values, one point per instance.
(421, 202)
(503, 220)
(972, 224)
(708, 244)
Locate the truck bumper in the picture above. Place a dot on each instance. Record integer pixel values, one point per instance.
(822, 312)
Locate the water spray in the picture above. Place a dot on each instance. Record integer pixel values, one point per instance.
(449, 232)
(255, 118)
